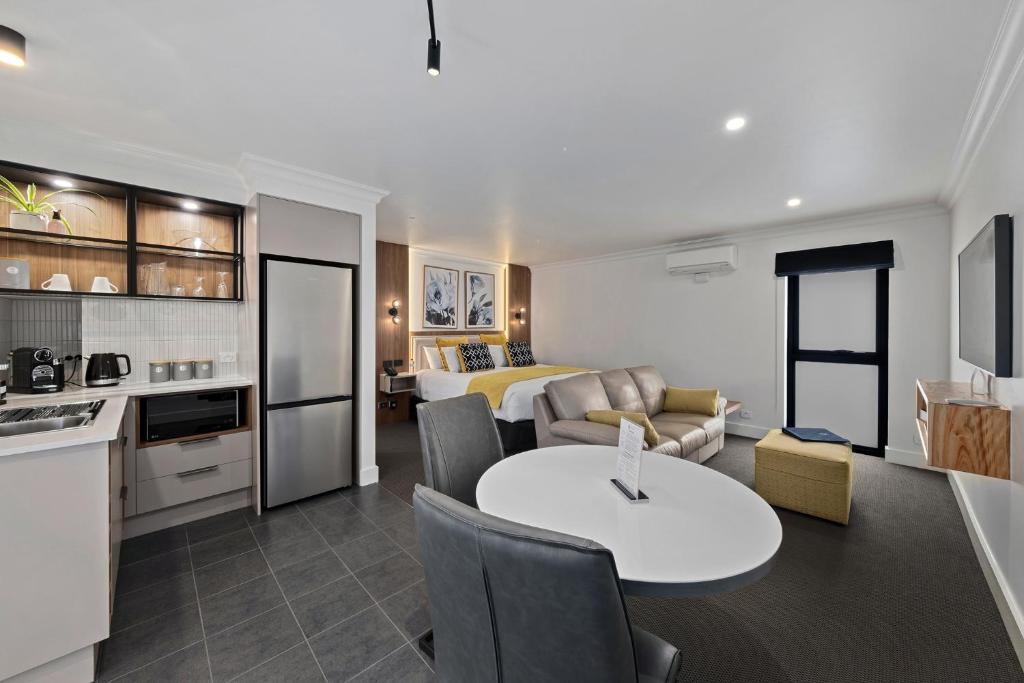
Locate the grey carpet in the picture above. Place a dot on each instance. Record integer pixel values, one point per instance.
(898, 595)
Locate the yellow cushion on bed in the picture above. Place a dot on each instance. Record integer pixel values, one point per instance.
(494, 339)
(614, 417)
(449, 341)
(699, 401)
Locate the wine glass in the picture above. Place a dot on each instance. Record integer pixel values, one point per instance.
(199, 290)
(222, 285)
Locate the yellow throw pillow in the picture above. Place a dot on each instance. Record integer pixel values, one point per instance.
(449, 341)
(699, 401)
(614, 417)
(494, 339)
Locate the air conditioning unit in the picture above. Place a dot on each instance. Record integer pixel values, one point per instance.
(707, 260)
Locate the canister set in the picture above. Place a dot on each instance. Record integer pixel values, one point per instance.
(179, 370)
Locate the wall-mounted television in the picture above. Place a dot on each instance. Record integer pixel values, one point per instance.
(986, 298)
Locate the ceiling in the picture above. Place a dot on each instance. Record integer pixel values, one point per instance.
(556, 130)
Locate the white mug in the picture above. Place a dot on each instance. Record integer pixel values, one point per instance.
(58, 283)
(104, 285)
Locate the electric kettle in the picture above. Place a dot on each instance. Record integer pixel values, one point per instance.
(105, 370)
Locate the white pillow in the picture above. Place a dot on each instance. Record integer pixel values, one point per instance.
(433, 358)
(452, 357)
(498, 355)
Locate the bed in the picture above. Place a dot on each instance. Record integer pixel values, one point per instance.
(515, 414)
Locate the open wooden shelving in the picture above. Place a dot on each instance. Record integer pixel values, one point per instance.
(122, 232)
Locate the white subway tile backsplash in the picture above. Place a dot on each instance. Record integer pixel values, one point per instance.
(149, 330)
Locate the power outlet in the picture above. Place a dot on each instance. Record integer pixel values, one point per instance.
(746, 414)
(227, 357)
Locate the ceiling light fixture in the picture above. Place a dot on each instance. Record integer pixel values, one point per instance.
(190, 205)
(433, 45)
(794, 202)
(12, 47)
(735, 123)
(63, 182)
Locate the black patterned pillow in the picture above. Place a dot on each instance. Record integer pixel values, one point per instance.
(519, 354)
(475, 357)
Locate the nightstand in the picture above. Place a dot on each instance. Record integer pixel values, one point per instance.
(400, 383)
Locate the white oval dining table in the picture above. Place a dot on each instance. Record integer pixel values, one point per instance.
(700, 533)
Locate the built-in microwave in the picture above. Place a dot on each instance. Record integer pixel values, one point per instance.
(176, 416)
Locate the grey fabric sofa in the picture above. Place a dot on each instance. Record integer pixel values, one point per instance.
(560, 413)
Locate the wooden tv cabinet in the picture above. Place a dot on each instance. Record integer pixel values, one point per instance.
(972, 439)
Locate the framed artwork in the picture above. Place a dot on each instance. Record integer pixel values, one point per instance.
(440, 297)
(479, 300)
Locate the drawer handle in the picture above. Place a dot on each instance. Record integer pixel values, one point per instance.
(199, 470)
(196, 442)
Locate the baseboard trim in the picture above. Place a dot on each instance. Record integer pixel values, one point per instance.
(1010, 612)
(747, 430)
(186, 512)
(369, 475)
(918, 459)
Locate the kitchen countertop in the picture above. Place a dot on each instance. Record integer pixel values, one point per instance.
(109, 419)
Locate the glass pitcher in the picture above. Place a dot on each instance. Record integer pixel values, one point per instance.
(222, 285)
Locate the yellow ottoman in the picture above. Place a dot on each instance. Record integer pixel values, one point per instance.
(809, 477)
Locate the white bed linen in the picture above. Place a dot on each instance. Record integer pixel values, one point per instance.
(517, 405)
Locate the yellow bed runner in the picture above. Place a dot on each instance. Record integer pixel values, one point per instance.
(493, 386)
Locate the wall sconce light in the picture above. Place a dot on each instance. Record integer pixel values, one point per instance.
(521, 316)
(393, 311)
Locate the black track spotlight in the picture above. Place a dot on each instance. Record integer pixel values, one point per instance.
(433, 45)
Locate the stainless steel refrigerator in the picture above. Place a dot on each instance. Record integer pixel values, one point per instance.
(307, 370)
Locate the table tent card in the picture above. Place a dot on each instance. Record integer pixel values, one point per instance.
(631, 448)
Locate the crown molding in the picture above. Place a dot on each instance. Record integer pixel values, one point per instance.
(845, 221)
(267, 176)
(998, 79)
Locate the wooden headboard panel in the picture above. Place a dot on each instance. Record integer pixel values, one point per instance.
(418, 343)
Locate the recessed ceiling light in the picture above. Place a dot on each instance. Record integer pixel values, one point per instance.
(190, 205)
(735, 123)
(63, 182)
(12, 47)
(794, 202)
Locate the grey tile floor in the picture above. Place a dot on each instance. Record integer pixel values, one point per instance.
(328, 589)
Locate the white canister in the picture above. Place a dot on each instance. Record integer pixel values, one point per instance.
(181, 370)
(204, 369)
(159, 370)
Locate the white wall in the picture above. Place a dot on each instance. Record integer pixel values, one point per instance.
(729, 332)
(418, 258)
(994, 184)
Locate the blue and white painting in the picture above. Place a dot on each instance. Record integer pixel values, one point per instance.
(440, 297)
(479, 299)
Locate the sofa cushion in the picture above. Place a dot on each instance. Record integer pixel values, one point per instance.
(714, 426)
(700, 401)
(614, 418)
(572, 397)
(622, 391)
(690, 437)
(651, 386)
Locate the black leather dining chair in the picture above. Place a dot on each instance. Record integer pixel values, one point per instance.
(459, 439)
(514, 603)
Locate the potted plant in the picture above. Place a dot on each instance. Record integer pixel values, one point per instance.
(31, 211)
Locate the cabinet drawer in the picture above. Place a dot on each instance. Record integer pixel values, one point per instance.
(177, 488)
(173, 458)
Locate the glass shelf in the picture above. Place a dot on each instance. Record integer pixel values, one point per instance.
(62, 240)
(187, 252)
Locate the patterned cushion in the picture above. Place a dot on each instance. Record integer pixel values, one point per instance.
(473, 357)
(519, 354)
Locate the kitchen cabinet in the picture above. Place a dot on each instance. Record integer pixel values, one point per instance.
(144, 242)
(117, 494)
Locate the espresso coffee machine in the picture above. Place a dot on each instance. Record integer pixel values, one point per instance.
(35, 370)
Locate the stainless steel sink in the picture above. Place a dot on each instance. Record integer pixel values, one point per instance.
(51, 418)
(50, 425)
